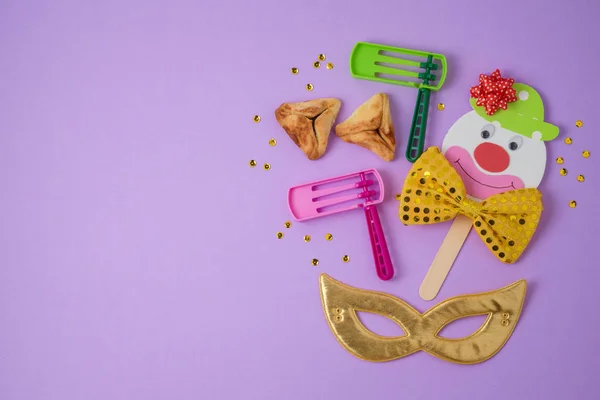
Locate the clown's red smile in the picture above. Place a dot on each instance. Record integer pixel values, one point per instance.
(489, 157)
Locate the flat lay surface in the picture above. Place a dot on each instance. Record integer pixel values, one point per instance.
(142, 257)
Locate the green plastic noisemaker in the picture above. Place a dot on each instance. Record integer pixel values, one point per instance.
(370, 61)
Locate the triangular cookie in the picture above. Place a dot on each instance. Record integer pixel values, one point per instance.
(308, 123)
(370, 126)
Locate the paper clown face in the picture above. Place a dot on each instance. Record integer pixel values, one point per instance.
(504, 151)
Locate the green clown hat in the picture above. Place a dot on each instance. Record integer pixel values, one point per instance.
(524, 116)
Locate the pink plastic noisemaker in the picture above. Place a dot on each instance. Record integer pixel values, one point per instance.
(363, 189)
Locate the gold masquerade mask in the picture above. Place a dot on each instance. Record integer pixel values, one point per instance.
(502, 307)
(434, 192)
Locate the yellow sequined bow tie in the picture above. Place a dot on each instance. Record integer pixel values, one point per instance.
(434, 192)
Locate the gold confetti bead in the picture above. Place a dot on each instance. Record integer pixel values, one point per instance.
(346, 258)
(267, 166)
(563, 171)
(295, 71)
(579, 123)
(568, 140)
(441, 106)
(560, 160)
(585, 154)
(328, 237)
(317, 64)
(322, 57)
(307, 238)
(315, 262)
(287, 224)
(272, 142)
(329, 65)
(252, 163)
(580, 178)
(279, 235)
(309, 86)
(256, 118)
(572, 204)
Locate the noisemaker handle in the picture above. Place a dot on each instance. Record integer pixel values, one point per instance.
(383, 261)
(416, 138)
(456, 236)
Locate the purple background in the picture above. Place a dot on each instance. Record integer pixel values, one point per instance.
(138, 257)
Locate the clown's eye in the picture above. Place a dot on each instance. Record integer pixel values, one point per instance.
(515, 143)
(487, 131)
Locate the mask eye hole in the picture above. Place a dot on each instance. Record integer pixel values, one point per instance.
(463, 327)
(515, 143)
(380, 325)
(488, 131)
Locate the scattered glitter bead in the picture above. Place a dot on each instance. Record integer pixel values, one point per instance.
(580, 178)
(563, 171)
(317, 64)
(309, 86)
(256, 118)
(346, 258)
(267, 166)
(272, 142)
(307, 238)
(441, 106)
(315, 262)
(322, 57)
(585, 154)
(329, 237)
(279, 235)
(579, 123)
(329, 65)
(572, 204)
(287, 224)
(295, 71)
(568, 140)
(560, 160)
(252, 163)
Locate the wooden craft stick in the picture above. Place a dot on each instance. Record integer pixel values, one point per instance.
(456, 236)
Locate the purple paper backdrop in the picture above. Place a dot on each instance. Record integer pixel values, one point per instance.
(138, 257)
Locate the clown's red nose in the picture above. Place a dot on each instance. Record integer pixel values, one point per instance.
(491, 157)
